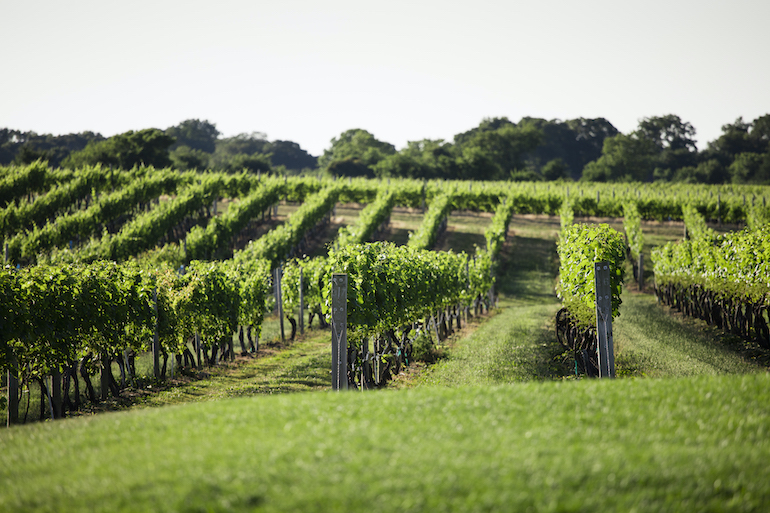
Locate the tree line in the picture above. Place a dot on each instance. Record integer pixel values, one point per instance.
(662, 148)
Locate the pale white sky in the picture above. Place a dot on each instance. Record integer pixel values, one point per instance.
(306, 71)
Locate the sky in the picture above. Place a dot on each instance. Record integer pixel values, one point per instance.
(306, 71)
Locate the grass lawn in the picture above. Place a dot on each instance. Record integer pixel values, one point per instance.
(695, 444)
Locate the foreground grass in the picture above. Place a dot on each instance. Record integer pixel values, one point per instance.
(696, 444)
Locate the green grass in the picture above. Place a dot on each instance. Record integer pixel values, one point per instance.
(651, 341)
(697, 444)
(517, 343)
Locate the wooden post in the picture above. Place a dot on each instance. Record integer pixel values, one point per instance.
(301, 305)
(13, 392)
(56, 398)
(198, 349)
(279, 300)
(640, 275)
(339, 331)
(605, 350)
(155, 339)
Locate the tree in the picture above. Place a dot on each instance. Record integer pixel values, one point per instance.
(624, 158)
(186, 158)
(555, 169)
(421, 159)
(256, 163)
(494, 154)
(195, 134)
(750, 168)
(290, 155)
(590, 135)
(147, 147)
(360, 149)
(22, 146)
(668, 132)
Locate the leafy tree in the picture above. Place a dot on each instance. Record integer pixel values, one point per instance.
(751, 168)
(249, 144)
(195, 134)
(624, 158)
(668, 132)
(590, 135)
(27, 154)
(290, 155)
(421, 159)
(186, 158)
(359, 148)
(53, 148)
(256, 163)
(674, 141)
(494, 154)
(709, 171)
(144, 147)
(555, 169)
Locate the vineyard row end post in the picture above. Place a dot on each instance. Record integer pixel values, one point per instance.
(339, 331)
(605, 349)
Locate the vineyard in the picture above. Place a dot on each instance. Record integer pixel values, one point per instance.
(105, 265)
(120, 282)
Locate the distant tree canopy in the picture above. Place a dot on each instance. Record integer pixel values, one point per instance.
(18, 147)
(355, 153)
(664, 148)
(145, 147)
(497, 149)
(195, 134)
(661, 148)
(199, 146)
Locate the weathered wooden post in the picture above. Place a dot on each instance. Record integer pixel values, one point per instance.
(605, 349)
(301, 305)
(56, 397)
(13, 392)
(339, 331)
(198, 349)
(640, 273)
(279, 299)
(155, 339)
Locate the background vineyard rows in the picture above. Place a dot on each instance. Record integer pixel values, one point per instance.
(100, 260)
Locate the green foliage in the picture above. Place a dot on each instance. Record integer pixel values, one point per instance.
(368, 221)
(498, 229)
(189, 159)
(195, 135)
(18, 182)
(359, 149)
(580, 246)
(438, 210)
(696, 224)
(392, 286)
(624, 158)
(735, 265)
(148, 147)
(26, 246)
(276, 244)
(25, 214)
(256, 163)
(496, 154)
(205, 243)
(632, 224)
